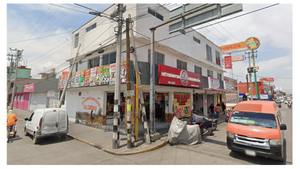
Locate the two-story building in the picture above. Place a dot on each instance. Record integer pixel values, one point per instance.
(92, 87)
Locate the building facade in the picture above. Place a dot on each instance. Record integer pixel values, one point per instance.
(188, 52)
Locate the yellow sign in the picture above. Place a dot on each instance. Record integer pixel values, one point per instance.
(182, 105)
(234, 47)
(128, 107)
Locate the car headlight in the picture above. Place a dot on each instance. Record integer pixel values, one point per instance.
(230, 135)
(275, 142)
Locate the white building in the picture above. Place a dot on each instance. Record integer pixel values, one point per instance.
(189, 51)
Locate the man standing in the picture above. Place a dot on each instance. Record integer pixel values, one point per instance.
(223, 107)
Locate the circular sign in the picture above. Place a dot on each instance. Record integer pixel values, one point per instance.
(184, 78)
(252, 43)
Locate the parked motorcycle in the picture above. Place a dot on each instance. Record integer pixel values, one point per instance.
(207, 125)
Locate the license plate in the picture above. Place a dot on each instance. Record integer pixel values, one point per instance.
(250, 152)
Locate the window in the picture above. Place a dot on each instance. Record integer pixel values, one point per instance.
(91, 27)
(15, 98)
(198, 70)
(218, 61)
(154, 13)
(264, 120)
(22, 97)
(219, 76)
(109, 58)
(196, 40)
(181, 65)
(208, 53)
(76, 40)
(159, 58)
(210, 73)
(94, 62)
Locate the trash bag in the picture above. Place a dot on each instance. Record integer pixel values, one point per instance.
(181, 133)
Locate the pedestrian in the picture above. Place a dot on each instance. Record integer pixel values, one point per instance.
(11, 119)
(211, 108)
(218, 110)
(223, 107)
(122, 110)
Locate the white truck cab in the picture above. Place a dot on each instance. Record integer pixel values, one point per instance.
(47, 122)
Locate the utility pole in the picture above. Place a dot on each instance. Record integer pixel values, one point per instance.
(9, 76)
(256, 89)
(152, 83)
(19, 53)
(69, 75)
(128, 81)
(116, 121)
(250, 75)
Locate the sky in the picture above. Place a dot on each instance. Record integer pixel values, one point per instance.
(44, 31)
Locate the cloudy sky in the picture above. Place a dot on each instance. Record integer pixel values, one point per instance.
(44, 32)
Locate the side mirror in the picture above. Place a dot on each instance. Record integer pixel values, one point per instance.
(282, 127)
(226, 120)
(26, 119)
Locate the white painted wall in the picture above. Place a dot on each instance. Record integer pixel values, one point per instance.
(38, 100)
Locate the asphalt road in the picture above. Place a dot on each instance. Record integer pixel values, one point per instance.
(212, 151)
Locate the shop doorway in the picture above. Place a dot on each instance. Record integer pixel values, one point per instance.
(110, 103)
(160, 105)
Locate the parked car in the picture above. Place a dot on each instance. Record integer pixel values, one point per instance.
(255, 128)
(47, 122)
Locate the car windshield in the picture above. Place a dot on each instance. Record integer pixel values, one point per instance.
(254, 119)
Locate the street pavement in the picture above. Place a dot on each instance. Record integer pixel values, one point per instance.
(101, 138)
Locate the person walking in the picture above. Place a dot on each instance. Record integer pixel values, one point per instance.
(223, 107)
(218, 110)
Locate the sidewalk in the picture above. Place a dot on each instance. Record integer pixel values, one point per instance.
(102, 138)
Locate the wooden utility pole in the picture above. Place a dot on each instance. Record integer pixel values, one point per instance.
(9, 77)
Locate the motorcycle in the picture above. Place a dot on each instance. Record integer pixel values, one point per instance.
(289, 104)
(207, 125)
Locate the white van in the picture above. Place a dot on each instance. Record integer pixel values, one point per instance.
(47, 122)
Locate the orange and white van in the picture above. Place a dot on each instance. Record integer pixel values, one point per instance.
(255, 128)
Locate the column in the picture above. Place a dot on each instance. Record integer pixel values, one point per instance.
(205, 104)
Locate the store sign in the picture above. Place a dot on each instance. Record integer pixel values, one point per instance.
(178, 77)
(237, 58)
(90, 103)
(252, 43)
(63, 79)
(214, 83)
(236, 47)
(29, 87)
(182, 105)
(267, 79)
(230, 83)
(228, 62)
(264, 96)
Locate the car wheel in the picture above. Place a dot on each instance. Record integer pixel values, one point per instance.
(25, 132)
(34, 139)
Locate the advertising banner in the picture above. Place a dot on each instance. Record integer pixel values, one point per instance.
(99, 75)
(106, 74)
(123, 72)
(62, 79)
(178, 77)
(228, 62)
(77, 76)
(182, 105)
(112, 77)
(87, 74)
(29, 87)
(81, 79)
(235, 47)
(252, 43)
(93, 76)
(214, 83)
(237, 58)
(72, 79)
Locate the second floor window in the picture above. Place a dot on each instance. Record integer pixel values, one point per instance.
(210, 73)
(154, 13)
(219, 76)
(208, 53)
(181, 65)
(196, 39)
(76, 40)
(159, 58)
(198, 70)
(109, 58)
(94, 62)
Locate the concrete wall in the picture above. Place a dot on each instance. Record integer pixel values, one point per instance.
(38, 100)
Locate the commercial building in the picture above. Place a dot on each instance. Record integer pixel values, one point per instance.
(189, 73)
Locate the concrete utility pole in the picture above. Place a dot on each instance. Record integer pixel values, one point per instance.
(116, 121)
(69, 75)
(128, 81)
(250, 76)
(19, 53)
(9, 76)
(152, 83)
